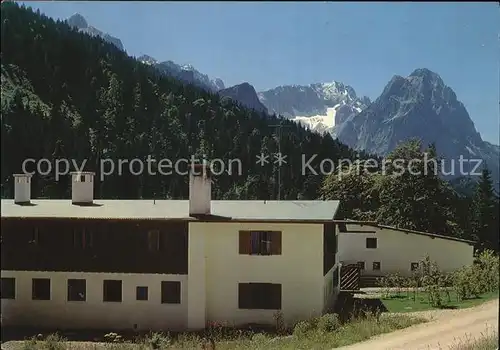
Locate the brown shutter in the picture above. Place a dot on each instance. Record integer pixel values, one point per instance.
(276, 296)
(245, 243)
(276, 242)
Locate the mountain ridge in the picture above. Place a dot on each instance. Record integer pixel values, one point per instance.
(79, 22)
(335, 108)
(418, 106)
(246, 95)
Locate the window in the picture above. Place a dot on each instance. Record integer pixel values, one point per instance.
(40, 289)
(361, 265)
(262, 296)
(77, 289)
(170, 292)
(260, 242)
(371, 243)
(8, 288)
(414, 266)
(82, 239)
(154, 240)
(141, 293)
(112, 291)
(35, 235)
(376, 266)
(82, 178)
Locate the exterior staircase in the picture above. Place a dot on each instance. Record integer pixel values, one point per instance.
(368, 281)
(350, 277)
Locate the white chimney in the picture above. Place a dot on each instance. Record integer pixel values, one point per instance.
(200, 189)
(22, 188)
(82, 187)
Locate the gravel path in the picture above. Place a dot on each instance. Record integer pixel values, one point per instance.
(446, 328)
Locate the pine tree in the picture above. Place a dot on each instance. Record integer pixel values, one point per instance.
(485, 213)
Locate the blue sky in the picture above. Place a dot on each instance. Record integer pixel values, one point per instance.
(276, 43)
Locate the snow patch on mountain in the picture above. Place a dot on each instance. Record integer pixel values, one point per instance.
(319, 107)
(319, 123)
(298, 102)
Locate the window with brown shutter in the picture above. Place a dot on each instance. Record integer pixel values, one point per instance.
(259, 296)
(260, 242)
(244, 242)
(275, 242)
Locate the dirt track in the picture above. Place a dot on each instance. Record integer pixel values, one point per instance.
(447, 328)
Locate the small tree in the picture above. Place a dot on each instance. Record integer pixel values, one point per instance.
(432, 281)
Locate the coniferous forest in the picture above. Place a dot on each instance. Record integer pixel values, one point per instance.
(69, 95)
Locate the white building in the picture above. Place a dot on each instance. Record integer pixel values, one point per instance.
(379, 250)
(183, 264)
(164, 264)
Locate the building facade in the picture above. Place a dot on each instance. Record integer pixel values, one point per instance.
(164, 265)
(380, 250)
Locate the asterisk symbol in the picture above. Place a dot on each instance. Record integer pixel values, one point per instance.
(280, 159)
(262, 159)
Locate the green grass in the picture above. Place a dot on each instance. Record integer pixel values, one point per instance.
(315, 334)
(404, 301)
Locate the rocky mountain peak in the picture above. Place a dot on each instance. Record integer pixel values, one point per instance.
(418, 106)
(245, 94)
(78, 21)
(147, 59)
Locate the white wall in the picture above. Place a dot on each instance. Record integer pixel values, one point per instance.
(299, 269)
(396, 250)
(82, 191)
(330, 291)
(94, 313)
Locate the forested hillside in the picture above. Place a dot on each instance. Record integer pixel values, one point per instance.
(69, 95)
(418, 199)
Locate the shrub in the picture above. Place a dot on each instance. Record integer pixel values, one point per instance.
(112, 337)
(157, 340)
(51, 342)
(302, 329)
(328, 322)
(280, 322)
(479, 278)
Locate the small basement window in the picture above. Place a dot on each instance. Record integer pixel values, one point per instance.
(371, 243)
(77, 289)
(376, 266)
(361, 265)
(40, 289)
(8, 288)
(112, 291)
(141, 293)
(170, 292)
